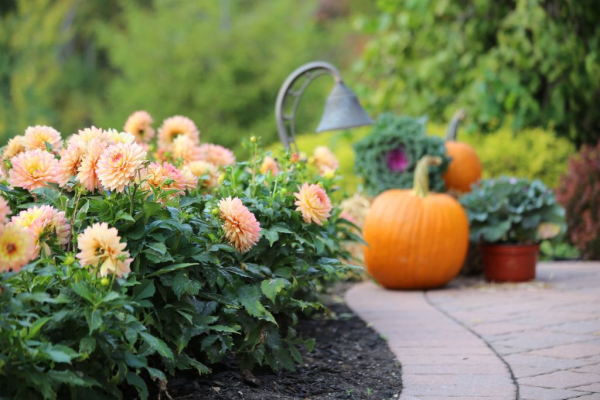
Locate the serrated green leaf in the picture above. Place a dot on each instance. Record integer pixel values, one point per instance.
(271, 287)
(171, 268)
(157, 344)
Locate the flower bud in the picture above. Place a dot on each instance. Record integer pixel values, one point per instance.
(252, 139)
(105, 281)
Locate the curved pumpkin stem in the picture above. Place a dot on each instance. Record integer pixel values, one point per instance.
(421, 183)
(454, 124)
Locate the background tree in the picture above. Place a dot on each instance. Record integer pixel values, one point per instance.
(535, 61)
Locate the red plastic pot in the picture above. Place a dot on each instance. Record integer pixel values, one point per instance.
(509, 262)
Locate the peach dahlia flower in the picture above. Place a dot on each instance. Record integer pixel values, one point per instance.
(184, 149)
(175, 126)
(202, 168)
(13, 148)
(241, 228)
(68, 165)
(85, 137)
(16, 248)
(5, 210)
(44, 222)
(269, 164)
(118, 165)
(33, 169)
(87, 175)
(217, 155)
(313, 203)
(100, 246)
(36, 138)
(325, 160)
(165, 176)
(139, 124)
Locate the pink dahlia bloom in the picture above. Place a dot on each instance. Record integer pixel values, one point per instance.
(33, 169)
(16, 248)
(44, 223)
(68, 165)
(139, 124)
(101, 247)
(36, 138)
(118, 165)
(313, 203)
(269, 164)
(325, 160)
(5, 210)
(176, 126)
(87, 175)
(241, 228)
(217, 155)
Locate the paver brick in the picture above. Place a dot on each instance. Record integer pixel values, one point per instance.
(570, 351)
(538, 393)
(561, 380)
(595, 387)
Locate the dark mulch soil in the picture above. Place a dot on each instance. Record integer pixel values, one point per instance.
(349, 361)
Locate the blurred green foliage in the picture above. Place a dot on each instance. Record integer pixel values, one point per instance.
(72, 63)
(536, 61)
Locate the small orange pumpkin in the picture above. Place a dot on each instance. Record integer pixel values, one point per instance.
(416, 239)
(465, 167)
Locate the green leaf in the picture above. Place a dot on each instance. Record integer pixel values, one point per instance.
(157, 344)
(83, 290)
(182, 284)
(134, 380)
(270, 287)
(35, 327)
(249, 297)
(271, 236)
(144, 290)
(151, 209)
(61, 354)
(94, 319)
(87, 345)
(70, 378)
(171, 268)
(160, 248)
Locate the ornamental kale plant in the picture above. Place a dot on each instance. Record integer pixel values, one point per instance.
(511, 210)
(118, 269)
(388, 156)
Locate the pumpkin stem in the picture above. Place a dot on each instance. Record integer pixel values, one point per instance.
(421, 183)
(454, 124)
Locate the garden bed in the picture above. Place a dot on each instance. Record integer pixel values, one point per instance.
(349, 361)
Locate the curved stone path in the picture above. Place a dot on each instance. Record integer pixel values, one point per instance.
(471, 340)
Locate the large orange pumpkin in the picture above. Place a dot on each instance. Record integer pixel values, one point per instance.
(465, 167)
(416, 239)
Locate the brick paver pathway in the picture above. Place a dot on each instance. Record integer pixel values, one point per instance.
(471, 340)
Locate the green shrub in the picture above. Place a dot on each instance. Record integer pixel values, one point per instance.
(529, 153)
(191, 296)
(388, 156)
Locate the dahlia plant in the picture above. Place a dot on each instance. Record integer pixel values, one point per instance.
(125, 254)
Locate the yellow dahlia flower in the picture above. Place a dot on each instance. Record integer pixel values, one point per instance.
(44, 222)
(101, 247)
(202, 168)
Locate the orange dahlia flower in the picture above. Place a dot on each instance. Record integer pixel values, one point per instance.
(118, 165)
(139, 124)
(33, 169)
(176, 126)
(36, 138)
(16, 248)
(101, 247)
(217, 155)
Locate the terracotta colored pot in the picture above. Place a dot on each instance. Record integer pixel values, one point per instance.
(509, 263)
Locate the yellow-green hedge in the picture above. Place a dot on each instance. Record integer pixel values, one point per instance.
(530, 153)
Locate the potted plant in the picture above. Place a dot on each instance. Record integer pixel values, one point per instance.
(509, 217)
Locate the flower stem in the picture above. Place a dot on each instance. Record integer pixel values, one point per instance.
(421, 182)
